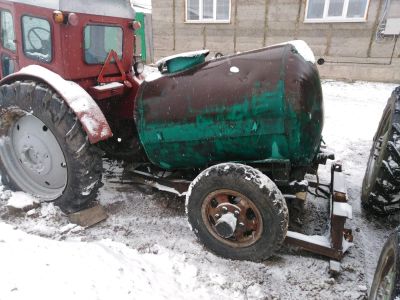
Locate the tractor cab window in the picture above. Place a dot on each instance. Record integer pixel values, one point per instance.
(7, 31)
(36, 38)
(100, 40)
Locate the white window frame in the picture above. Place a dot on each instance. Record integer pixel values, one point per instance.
(213, 20)
(326, 19)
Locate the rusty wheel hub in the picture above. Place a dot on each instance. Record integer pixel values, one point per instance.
(232, 218)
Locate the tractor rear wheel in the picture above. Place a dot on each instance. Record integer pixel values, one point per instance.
(44, 149)
(381, 185)
(237, 212)
(386, 283)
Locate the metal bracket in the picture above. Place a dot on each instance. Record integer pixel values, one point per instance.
(339, 239)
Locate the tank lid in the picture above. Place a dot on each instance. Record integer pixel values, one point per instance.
(182, 61)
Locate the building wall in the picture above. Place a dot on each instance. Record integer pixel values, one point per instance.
(350, 50)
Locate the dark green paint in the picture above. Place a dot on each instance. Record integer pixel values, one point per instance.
(260, 128)
(179, 64)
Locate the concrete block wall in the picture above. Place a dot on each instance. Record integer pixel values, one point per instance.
(350, 49)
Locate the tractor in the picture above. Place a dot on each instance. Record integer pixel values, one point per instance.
(235, 134)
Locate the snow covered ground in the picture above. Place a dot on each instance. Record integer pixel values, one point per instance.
(145, 248)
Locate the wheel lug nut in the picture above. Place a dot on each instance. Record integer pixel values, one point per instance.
(217, 216)
(224, 209)
(241, 224)
(237, 212)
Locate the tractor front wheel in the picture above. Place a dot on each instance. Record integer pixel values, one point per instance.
(44, 150)
(237, 212)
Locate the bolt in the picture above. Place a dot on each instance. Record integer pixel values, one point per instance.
(217, 216)
(241, 224)
(224, 209)
(237, 212)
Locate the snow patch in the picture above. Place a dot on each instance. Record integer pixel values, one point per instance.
(112, 85)
(346, 245)
(96, 270)
(302, 48)
(22, 201)
(90, 123)
(50, 211)
(342, 209)
(153, 76)
(71, 228)
(167, 189)
(87, 190)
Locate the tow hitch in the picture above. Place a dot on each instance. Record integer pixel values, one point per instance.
(339, 239)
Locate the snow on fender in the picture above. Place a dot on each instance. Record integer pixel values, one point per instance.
(82, 104)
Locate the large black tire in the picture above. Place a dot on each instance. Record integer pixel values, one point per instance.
(386, 283)
(381, 184)
(82, 161)
(243, 186)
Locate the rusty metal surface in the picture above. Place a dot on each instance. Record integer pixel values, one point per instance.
(314, 248)
(338, 233)
(269, 106)
(175, 186)
(249, 225)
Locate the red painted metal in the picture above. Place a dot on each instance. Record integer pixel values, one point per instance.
(338, 233)
(90, 115)
(68, 58)
(68, 54)
(102, 78)
(101, 94)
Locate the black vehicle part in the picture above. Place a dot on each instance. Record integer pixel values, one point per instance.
(386, 283)
(45, 151)
(237, 212)
(381, 184)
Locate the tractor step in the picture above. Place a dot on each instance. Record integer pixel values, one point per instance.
(89, 217)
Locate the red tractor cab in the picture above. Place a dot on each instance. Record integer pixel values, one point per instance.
(75, 59)
(88, 43)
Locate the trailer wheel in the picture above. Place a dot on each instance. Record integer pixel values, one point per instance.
(44, 150)
(237, 212)
(381, 184)
(386, 283)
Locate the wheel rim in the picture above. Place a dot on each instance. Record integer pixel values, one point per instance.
(33, 157)
(237, 210)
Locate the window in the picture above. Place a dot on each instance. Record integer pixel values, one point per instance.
(204, 11)
(7, 65)
(36, 36)
(100, 40)
(336, 11)
(7, 31)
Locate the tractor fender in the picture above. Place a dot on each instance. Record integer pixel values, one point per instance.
(82, 104)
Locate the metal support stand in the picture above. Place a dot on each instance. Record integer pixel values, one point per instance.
(340, 238)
